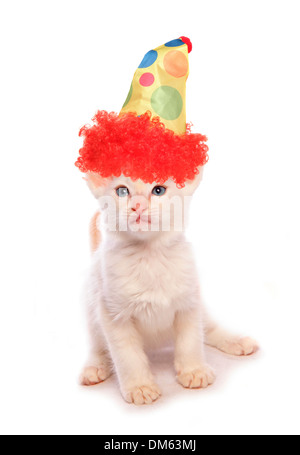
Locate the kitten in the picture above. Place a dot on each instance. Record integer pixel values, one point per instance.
(143, 290)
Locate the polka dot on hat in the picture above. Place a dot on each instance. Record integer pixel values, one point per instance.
(175, 43)
(128, 96)
(147, 79)
(176, 64)
(167, 102)
(149, 59)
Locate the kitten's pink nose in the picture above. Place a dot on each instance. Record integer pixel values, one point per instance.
(135, 209)
(139, 208)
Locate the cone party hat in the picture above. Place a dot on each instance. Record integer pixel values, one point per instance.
(149, 139)
(159, 84)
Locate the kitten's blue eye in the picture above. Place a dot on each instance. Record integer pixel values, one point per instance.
(122, 191)
(159, 190)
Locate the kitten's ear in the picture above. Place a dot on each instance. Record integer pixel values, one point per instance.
(192, 185)
(96, 183)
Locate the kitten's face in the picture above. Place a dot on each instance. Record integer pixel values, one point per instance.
(142, 209)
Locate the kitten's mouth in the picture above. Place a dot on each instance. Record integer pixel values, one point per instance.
(143, 219)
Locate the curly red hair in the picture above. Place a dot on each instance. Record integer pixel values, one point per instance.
(140, 148)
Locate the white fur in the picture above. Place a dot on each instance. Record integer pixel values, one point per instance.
(143, 291)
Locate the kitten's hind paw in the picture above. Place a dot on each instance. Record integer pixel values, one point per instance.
(142, 395)
(239, 346)
(197, 379)
(93, 375)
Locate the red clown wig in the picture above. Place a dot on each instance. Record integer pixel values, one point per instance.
(140, 147)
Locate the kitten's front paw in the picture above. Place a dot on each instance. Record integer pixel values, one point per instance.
(93, 375)
(142, 395)
(239, 346)
(197, 379)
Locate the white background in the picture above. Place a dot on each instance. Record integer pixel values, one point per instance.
(60, 62)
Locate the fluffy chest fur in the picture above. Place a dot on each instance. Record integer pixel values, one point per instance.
(148, 281)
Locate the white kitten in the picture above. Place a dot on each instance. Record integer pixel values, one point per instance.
(143, 290)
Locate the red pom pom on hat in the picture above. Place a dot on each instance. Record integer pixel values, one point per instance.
(188, 42)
